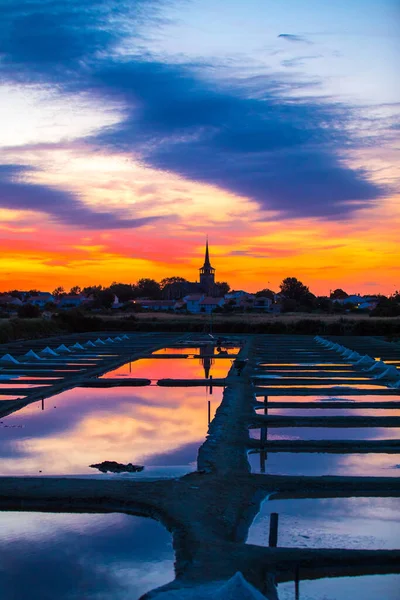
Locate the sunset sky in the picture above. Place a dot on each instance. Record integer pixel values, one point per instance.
(131, 130)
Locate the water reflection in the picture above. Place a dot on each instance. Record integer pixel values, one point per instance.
(75, 557)
(329, 433)
(310, 463)
(149, 426)
(352, 523)
(371, 587)
(175, 368)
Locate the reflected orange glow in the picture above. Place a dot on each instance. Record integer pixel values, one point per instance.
(88, 426)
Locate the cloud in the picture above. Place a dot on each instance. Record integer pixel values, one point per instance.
(284, 154)
(60, 205)
(249, 137)
(290, 37)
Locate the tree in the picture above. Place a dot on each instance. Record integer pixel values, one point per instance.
(223, 288)
(123, 291)
(338, 294)
(75, 291)
(324, 303)
(58, 292)
(28, 311)
(92, 290)
(104, 299)
(266, 293)
(294, 289)
(148, 288)
(171, 280)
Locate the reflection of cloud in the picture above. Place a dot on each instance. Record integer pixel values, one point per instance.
(119, 556)
(291, 37)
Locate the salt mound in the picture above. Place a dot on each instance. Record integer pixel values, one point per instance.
(391, 374)
(109, 340)
(63, 348)
(77, 346)
(49, 352)
(365, 361)
(31, 355)
(7, 358)
(89, 344)
(378, 365)
(237, 588)
(99, 342)
(125, 337)
(117, 339)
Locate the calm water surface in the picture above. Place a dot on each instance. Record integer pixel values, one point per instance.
(82, 557)
(310, 463)
(173, 368)
(371, 587)
(151, 426)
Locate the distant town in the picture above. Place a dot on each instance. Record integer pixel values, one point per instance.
(177, 295)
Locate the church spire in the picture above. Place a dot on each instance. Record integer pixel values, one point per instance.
(207, 263)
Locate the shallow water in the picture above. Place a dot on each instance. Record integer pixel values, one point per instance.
(198, 350)
(150, 426)
(80, 557)
(352, 523)
(329, 398)
(329, 433)
(335, 412)
(313, 463)
(370, 587)
(174, 368)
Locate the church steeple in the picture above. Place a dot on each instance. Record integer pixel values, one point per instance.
(207, 274)
(207, 264)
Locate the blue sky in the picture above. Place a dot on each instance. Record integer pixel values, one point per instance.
(270, 112)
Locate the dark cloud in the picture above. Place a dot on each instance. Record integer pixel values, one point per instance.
(291, 37)
(60, 205)
(257, 142)
(284, 154)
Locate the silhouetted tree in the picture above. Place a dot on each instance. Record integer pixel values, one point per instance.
(338, 294)
(123, 291)
(104, 299)
(171, 280)
(148, 288)
(75, 291)
(58, 292)
(265, 293)
(223, 288)
(294, 289)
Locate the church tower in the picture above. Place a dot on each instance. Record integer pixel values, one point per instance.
(207, 275)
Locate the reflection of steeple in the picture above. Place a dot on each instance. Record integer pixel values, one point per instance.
(206, 353)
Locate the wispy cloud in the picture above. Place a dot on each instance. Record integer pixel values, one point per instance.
(291, 37)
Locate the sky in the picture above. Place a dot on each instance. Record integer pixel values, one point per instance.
(131, 130)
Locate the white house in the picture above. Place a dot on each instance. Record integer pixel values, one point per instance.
(193, 302)
(209, 304)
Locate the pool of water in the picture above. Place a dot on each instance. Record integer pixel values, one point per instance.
(198, 350)
(370, 587)
(356, 386)
(74, 557)
(329, 433)
(352, 523)
(176, 368)
(150, 426)
(361, 398)
(310, 463)
(335, 412)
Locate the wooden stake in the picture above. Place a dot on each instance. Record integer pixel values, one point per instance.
(273, 530)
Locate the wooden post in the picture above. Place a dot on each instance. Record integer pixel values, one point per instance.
(209, 411)
(211, 389)
(265, 405)
(297, 584)
(263, 456)
(42, 403)
(273, 530)
(130, 366)
(263, 436)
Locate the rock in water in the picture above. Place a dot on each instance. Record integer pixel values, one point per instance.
(111, 466)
